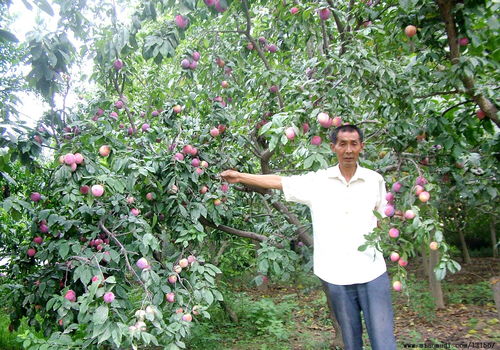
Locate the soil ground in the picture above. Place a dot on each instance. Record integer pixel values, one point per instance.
(459, 325)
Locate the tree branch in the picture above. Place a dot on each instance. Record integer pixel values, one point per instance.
(440, 93)
(236, 232)
(124, 252)
(446, 10)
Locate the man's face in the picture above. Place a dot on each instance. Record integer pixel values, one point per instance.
(347, 148)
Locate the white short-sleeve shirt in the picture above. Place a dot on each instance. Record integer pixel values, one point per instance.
(342, 213)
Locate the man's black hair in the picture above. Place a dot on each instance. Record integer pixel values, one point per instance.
(348, 128)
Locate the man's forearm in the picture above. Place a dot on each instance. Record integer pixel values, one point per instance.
(263, 181)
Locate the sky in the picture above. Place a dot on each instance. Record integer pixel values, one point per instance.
(33, 107)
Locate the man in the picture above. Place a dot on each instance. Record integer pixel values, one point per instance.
(342, 200)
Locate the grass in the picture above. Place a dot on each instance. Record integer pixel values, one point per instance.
(7, 339)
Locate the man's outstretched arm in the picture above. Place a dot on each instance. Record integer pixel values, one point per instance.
(262, 181)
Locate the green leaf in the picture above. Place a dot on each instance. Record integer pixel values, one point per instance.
(64, 250)
(8, 36)
(44, 6)
(208, 296)
(100, 315)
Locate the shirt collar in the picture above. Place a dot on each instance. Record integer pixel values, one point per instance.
(334, 172)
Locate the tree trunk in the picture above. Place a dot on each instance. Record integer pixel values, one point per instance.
(425, 260)
(495, 286)
(465, 250)
(337, 339)
(493, 237)
(434, 283)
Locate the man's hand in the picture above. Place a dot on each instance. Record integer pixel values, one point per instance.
(263, 181)
(231, 176)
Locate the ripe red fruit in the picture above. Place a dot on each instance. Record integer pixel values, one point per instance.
(410, 31)
(221, 128)
(113, 115)
(305, 127)
(273, 89)
(433, 245)
(35, 196)
(480, 114)
(177, 109)
(199, 171)
(324, 13)
(337, 121)
(170, 297)
(204, 164)
(220, 62)
(389, 210)
(214, 132)
(84, 189)
(396, 187)
(193, 65)
(204, 189)
(31, 252)
(109, 297)
(78, 158)
(183, 263)
(179, 156)
(149, 196)
(119, 104)
(250, 46)
(424, 196)
(104, 150)
(224, 84)
(70, 295)
(196, 56)
(172, 279)
(218, 7)
(187, 149)
(38, 240)
(217, 202)
(324, 119)
(421, 181)
(142, 263)
(294, 10)
(69, 158)
(224, 188)
(389, 197)
(397, 286)
(181, 22)
(409, 214)
(463, 41)
(394, 256)
(118, 64)
(419, 189)
(43, 228)
(187, 317)
(97, 190)
(195, 162)
(191, 259)
(209, 2)
(185, 63)
(272, 48)
(402, 262)
(135, 211)
(393, 232)
(316, 140)
(290, 133)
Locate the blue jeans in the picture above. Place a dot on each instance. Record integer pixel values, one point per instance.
(374, 300)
